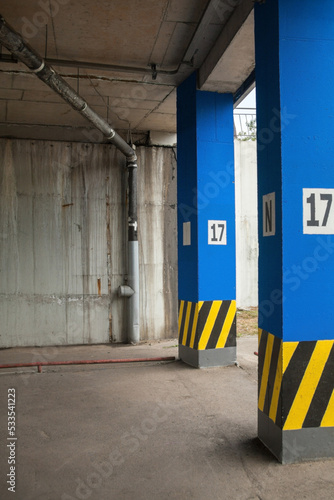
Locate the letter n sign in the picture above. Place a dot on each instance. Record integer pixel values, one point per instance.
(269, 215)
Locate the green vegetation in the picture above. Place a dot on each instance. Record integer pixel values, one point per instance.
(250, 135)
(247, 322)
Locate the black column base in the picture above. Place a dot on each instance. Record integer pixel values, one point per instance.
(209, 357)
(302, 445)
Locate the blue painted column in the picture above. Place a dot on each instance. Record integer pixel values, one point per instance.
(206, 227)
(295, 110)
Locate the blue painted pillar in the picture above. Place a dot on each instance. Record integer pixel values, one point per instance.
(206, 227)
(295, 106)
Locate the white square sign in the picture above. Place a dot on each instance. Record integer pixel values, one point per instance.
(318, 211)
(217, 232)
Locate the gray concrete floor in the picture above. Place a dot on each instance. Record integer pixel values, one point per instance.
(143, 431)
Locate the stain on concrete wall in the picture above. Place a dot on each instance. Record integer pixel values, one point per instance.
(63, 243)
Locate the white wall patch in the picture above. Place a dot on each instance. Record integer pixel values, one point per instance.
(186, 234)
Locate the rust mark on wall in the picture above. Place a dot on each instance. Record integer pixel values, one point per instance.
(99, 286)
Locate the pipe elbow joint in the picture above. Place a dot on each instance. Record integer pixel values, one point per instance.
(131, 161)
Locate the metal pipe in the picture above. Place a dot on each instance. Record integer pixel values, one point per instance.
(131, 290)
(152, 69)
(14, 42)
(209, 14)
(133, 256)
(39, 364)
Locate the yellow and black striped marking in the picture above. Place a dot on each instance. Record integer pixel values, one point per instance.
(207, 325)
(296, 382)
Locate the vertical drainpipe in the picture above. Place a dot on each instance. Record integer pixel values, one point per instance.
(131, 290)
(133, 278)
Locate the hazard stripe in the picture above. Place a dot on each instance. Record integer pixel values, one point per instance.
(273, 372)
(227, 326)
(323, 393)
(265, 371)
(181, 308)
(274, 403)
(191, 322)
(216, 330)
(328, 419)
(186, 324)
(202, 320)
(231, 337)
(194, 328)
(207, 324)
(289, 350)
(296, 382)
(260, 335)
(308, 386)
(294, 374)
(261, 352)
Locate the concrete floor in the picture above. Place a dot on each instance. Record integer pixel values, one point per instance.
(143, 431)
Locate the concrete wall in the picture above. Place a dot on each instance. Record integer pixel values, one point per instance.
(63, 243)
(246, 223)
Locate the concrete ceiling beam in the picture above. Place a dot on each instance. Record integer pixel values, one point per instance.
(232, 58)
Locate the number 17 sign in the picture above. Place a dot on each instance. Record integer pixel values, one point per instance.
(318, 211)
(217, 232)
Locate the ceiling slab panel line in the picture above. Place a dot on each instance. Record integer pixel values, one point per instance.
(153, 110)
(210, 14)
(179, 36)
(163, 18)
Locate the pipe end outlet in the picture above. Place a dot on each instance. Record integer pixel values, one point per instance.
(125, 291)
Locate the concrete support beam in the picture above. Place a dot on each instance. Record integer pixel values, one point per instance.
(232, 58)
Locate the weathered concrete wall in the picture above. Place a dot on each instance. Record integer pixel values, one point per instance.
(63, 243)
(158, 242)
(246, 223)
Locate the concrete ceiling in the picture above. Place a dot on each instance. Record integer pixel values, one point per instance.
(178, 36)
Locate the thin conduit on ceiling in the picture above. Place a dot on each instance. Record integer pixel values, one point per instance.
(153, 69)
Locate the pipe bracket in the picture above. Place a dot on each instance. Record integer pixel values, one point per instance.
(131, 164)
(112, 135)
(39, 69)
